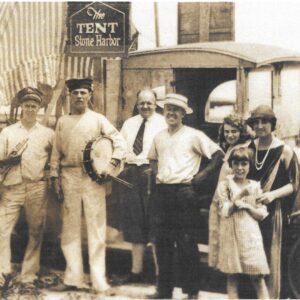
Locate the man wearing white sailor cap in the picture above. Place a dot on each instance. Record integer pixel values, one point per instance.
(177, 152)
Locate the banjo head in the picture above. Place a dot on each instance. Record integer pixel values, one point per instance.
(96, 158)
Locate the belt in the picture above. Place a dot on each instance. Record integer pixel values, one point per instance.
(71, 166)
(176, 184)
(136, 165)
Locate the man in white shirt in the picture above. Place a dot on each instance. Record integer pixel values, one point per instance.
(138, 132)
(24, 184)
(178, 151)
(82, 195)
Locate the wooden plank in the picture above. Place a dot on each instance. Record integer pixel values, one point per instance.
(221, 18)
(98, 98)
(56, 94)
(204, 21)
(133, 81)
(188, 22)
(113, 88)
(183, 59)
(162, 78)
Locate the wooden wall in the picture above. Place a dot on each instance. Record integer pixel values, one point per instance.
(205, 22)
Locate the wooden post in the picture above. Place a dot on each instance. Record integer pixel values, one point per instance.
(276, 84)
(242, 90)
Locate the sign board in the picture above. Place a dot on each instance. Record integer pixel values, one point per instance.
(98, 28)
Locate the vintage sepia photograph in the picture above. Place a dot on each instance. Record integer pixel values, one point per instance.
(150, 150)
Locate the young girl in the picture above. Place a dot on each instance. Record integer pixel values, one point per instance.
(241, 249)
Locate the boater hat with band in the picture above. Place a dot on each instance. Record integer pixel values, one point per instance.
(177, 100)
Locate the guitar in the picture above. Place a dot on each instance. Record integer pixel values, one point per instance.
(13, 159)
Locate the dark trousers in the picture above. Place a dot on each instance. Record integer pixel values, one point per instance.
(176, 216)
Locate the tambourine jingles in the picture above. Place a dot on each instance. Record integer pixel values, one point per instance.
(96, 158)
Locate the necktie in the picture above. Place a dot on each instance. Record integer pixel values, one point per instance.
(138, 142)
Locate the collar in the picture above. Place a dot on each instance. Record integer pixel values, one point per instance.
(36, 125)
(151, 118)
(276, 142)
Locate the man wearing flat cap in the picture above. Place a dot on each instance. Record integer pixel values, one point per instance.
(81, 194)
(24, 184)
(178, 151)
(275, 166)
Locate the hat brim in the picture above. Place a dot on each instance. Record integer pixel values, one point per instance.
(251, 119)
(31, 97)
(162, 103)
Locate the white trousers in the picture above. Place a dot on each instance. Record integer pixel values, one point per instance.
(81, 193)
(32, 197)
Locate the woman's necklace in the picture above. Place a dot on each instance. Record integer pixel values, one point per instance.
(259, 165)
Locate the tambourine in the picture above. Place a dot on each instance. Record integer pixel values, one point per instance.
(97, 155)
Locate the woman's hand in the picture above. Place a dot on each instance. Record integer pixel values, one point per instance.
(265, 198)
(240, 204)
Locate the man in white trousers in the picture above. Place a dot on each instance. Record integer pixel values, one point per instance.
(24, 185)
(81, 194)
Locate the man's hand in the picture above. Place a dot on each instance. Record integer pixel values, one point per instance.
(265, 198)
(113, 164)
(198, 179)
(57, 188)
(2, 280)
(213, 166)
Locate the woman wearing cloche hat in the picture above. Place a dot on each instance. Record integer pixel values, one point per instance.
(275, 166)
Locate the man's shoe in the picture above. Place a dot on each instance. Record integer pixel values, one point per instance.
(108, 292)
(159, 296)
(130, 278)
(193, 296)
(28, 288)
(62, 287)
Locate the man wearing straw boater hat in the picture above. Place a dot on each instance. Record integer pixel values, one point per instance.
(24, 153)
(81, 194)
(177, 152)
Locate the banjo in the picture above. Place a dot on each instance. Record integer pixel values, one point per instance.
(96, 158)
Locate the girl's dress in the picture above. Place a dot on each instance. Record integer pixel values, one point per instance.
(214, 218)
(241, 248)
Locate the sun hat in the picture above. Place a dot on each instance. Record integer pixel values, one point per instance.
(177, 100)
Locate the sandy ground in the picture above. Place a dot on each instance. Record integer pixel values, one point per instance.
(127, 292)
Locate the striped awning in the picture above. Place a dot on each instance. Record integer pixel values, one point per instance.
(32, 42)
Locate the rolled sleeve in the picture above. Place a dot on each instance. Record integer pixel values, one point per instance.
(205, 145)
(152, 155)
(119, 144)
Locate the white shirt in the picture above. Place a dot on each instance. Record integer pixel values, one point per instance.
(72, 134)
(179, 155)
(35, 155)
(153, 125)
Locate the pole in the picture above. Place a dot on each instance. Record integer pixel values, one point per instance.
(156, 24)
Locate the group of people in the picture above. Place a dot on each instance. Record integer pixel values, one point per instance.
(249, 214)
(161, 157)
